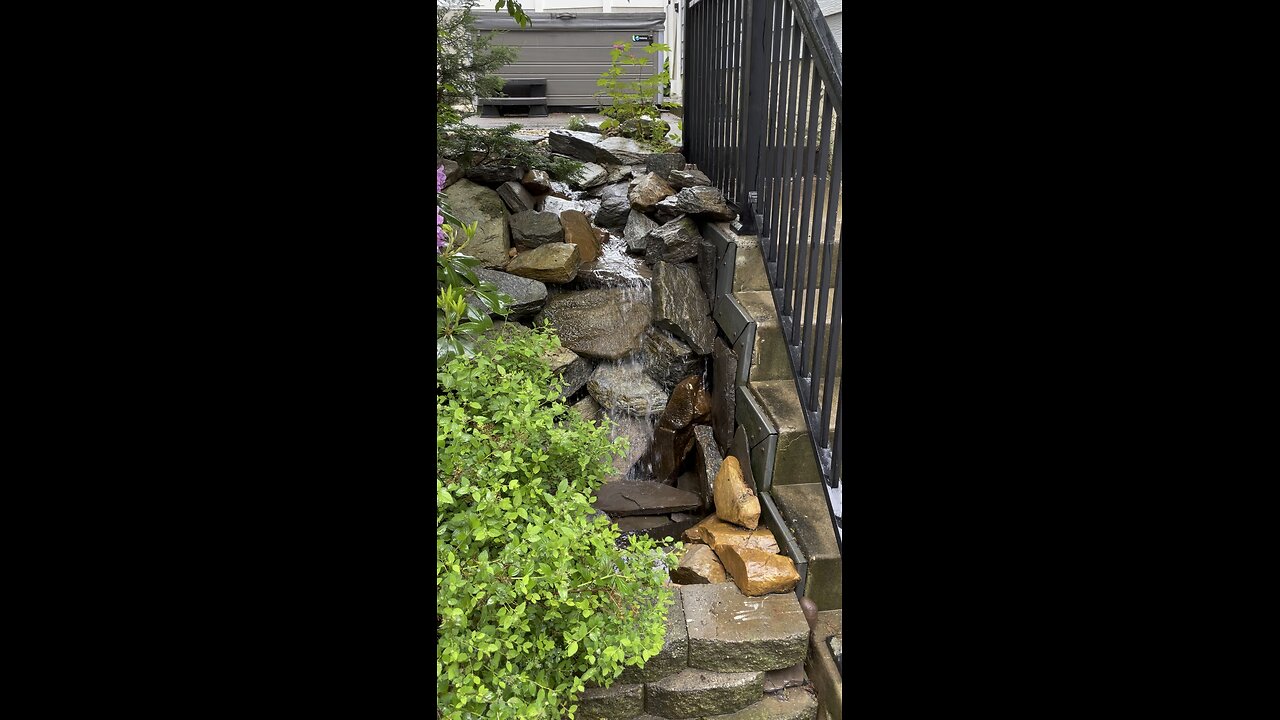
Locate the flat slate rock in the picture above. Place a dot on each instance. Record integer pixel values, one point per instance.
(527, 295)
(624, 498)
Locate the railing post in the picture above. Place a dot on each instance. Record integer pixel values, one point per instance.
(755, 75)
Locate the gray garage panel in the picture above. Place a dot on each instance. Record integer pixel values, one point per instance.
(572, 52)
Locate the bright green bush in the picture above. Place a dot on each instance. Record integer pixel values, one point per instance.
(534, 596)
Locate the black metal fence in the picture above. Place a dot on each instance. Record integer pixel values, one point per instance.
(763, 96)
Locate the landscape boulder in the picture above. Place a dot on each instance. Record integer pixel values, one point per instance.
(578, 231)
(625, 388)
(648, 191)
(756, 572)
(673, 242)
(680, 307)
(736, 502)
(603, 324)
(527, 296)
(531, 229)
(472, 202)
(550, 263)
(516, 197)
(705, 202)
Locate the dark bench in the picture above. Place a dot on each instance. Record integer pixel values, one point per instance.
(529, 93)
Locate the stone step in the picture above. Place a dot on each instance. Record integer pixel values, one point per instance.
(821, 666)
(749, 265)
(769, 358)
(789, 704)
(804, 510)
(696, 693)
(731, 632)
(794, 461)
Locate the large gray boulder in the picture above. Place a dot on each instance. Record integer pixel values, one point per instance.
(625, 150)
(530, 229)
(704, 202)
(494, 175)
(626, 388)
(452, 172)
(591, 175)
(666, 211)
(550, 263)
(663, 163)
(675, 241)
(517, 198)
(667, 359)
(572, 368)
(471, 202)
(527, 296)
(575, 144)
(691, 176)
(636, 232)
(604, 324)
(680, 308)
(615, 207)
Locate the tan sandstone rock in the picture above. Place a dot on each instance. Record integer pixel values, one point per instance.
(736, 502)
(714, 531)
(578, 231)
(699, 566)
(756, 572)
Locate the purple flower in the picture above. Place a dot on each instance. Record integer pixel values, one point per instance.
(441, 241)
(440, 178)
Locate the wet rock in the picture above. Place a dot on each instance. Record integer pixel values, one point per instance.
(704, 202)
(680, 307)
(724, 398)
(691, 176)
(666, 456)
(537, 182)
(574, 370)
(637, 230)
(663, 163)
(576, 144)
(494, 175)
(527, 296)
(588, 408)
(708, 461)
(648, 191)
(622, 498)
(589, 176)
(756, 572)
(601, 324)
(667, 359)
(578, 231)
(810, 610)
(452, 172)
(736, 502)
(530, 229)
(713, 531)
(625, 388)
(602, 273)
(707, 267)
(689, 482)
(688, 404)
(550, 263)
(617, 173)
(699, 566)
(615, 207)
(471, 202)
(666, 211)
(624, 150)
(639, 435)
(515, 196)
(558, 205)
(674, 242)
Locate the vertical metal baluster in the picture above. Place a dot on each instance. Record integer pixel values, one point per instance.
(804, 146)
(771, 131)
(820, 239)
(784, 61)
(832, 353)
(833, 202)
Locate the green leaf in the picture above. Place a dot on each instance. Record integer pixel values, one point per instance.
(571, 648)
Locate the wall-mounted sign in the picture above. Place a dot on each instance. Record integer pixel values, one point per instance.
(645, 38)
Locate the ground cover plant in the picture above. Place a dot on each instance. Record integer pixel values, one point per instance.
(632, 112)
(535, 594)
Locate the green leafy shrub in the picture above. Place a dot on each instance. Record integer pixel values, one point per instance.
(458, 324)
(576, 123)
(633, 96)
(534, 595)
(469, 146)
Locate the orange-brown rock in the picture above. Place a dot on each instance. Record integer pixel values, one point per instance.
(577, 231)
(699, 566)
(714, 531)
(736, 502)
(756, 572)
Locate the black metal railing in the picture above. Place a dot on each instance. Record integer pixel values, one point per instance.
(763, 101)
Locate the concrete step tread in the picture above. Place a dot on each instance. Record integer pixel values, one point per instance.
(781, 401)
(759, 303)
(804, 508)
